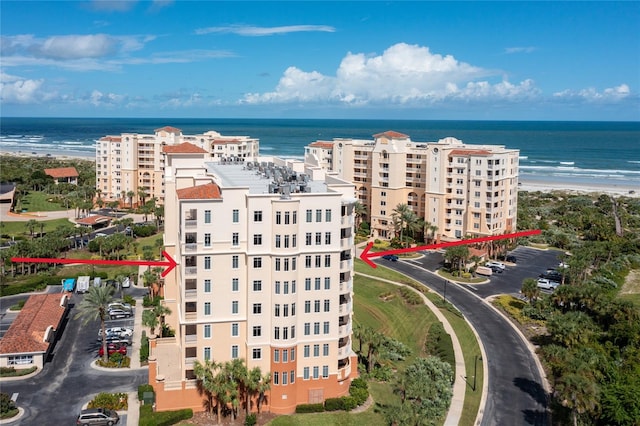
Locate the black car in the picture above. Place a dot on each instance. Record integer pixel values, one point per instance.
(511, 258)
(496, 269)
(391, 257)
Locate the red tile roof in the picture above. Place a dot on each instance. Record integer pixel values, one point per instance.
(462, 152)
(201, 192)
(168, 129)
(183, 148)
(111, 139)
(26, 333)
(322, 144)
(62, 172)
(93, 220)
(391, 134)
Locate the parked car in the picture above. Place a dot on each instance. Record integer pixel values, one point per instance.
(546, 284)
(97, 416)
(119, 305)
(114, 338)
(391, 257)
(493, 264)
(112, 348)
(511, 258)
(121, 331)
(496, 269)
(119, 313)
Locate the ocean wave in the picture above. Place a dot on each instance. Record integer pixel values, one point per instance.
(567, 163)
(523, 157)
(633, 161)
(598, 172)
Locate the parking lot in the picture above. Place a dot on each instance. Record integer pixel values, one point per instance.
(531, 263)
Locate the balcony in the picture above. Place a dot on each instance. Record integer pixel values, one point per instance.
(190, 338)
(344, 331)
(190, 316)
(190, 294)
(190, 270)
(346, 265)
(346, 220)
(346, 287)
(344, 370)
(346, 243)
(344, 308)
(344, 346)
(189, 247)
(191, 223)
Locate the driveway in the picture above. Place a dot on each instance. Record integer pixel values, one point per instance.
(516, 394)
(55, 396)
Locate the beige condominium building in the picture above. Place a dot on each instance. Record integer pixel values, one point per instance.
(265, 273)
(131, 162)
(462, 189)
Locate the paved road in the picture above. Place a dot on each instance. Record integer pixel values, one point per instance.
(516, 395)
(55, 396)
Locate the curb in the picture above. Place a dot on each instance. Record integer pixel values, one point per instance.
(14, 418)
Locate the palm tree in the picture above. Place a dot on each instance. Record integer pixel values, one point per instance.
(577, 392)
(400, 215)
(31, 226)
(94, 306)
(264, 385)
(457, 256)
(161, 311)
(149, 319)
(252, 386)
(530, 289)
(208, 383)
(359, 211)
(130, 195)
(142, 196)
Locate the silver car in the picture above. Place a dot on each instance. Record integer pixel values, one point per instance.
(97, 417)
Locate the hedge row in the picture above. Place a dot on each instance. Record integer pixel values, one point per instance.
(148, 417)
(358, 392)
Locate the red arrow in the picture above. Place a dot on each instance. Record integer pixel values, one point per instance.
(169, 263)
(365, 255)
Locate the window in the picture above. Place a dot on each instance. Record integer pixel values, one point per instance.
(276, 378)
(286, 287)
(316, 350)
(207, 262)
(257, 262)
(207, 240)
(287, 218)
(257, 353)
(277, 241)
(235, 261)
(207, 286)
(325, 327)
(257, 285)
(294, 240)
(292, 376)
(285, 333)
(317, 284)
(235, 331)
(293, 283)
(257, 331)
(276, 309)
(235, 286)
(307, 284)
(327, 237)
(276, 355)
(307, 306)
(319, 215)
(293, 309)
(295, 220)
(207, 331)
(235, 239)
(257, 216)
(277, 263)
(257, 308)
(318, 261)
(207, 216)
(325, 349)
(325, 371)
(327, 283)
(316, 371)
(307, 328)
(278, 218)
(305, 373)
(207, 353)
(327, 261)
(257, 239)
(234, 351)
(276, 333)
(286, 263)
(307, 261)
(285, 310)
(327, 305)
(316, 328)
(286, 241)
(207, 308)
(293, 353)
(284, 377)
(327, 215)
(293, 334)
(306, 351)
(316, 306)
(318, 238)
(236, 216)
(234, 307)
(20, 360)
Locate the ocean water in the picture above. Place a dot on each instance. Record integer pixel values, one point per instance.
(572, 152)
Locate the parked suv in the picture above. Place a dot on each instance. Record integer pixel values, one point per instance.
(97, 417)
(493, 264)
(119, 313)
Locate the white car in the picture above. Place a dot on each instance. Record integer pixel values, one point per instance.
(119, 305)
(493, 264)
(121, 331)
(546, 284)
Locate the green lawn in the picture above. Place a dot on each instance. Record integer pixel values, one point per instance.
(19, 230)
(36, 201)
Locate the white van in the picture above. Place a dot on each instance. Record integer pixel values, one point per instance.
(484, 270)
(97, 282)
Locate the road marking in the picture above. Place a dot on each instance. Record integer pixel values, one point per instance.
(14, 397)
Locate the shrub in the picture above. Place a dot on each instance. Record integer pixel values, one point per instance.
(309, 408)
(18, 306)
(12, 372)
(129, 299)
(251, 420)
(360, 395)
(112, 401)
(409, 296)
(6, 404)
(333, 404)
(144, 347)
(348, 403)
(359, 383)
(144, 388)
(149, 302)
(125, 362)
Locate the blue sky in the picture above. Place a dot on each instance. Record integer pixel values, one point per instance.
(400, 60)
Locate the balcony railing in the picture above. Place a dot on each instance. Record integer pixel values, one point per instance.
(191, 316)
(344, 372)
(190, 294)
(346, 242)
(344, 331)
(346, 265)
(190, 223)
(346, 220)
(190, 270)
(344, 308)
(346, 286)
(190, 338)
(191, 246)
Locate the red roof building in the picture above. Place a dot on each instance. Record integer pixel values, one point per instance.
(208, 191)
(63, 175)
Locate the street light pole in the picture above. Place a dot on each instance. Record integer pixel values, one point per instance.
(444, 295)
(475, 370)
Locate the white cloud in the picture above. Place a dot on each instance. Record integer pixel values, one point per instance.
(402, 74)
(19, 90)
(592, 95)
(251, 31)
(76, 47)
(521, 49)
(99, 99)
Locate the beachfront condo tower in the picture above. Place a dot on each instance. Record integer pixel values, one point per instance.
(130, 167)
(458, 189)
(265, 274)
